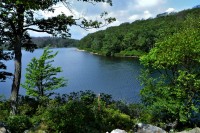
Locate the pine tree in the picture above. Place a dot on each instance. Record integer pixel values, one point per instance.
(41, 76)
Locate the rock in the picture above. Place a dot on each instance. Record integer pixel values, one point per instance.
(147, 128)
(118, 131)
(195, 130)
(3, 130)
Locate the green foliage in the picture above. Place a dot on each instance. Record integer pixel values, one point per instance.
(132, 53)
(41, 76)
(4, 56)
(27, 105)
(76, 112)
(137, 38)
(113, 119)
(18, 124)
(73, 117)
(173, 92)
(4, 108)
(81, 112)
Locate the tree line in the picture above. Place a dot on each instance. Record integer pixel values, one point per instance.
(54, 42)
(136, 38)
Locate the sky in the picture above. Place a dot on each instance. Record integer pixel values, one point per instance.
(122, 10)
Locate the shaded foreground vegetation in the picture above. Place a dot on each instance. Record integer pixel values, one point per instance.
(76, 112)
(73, 113)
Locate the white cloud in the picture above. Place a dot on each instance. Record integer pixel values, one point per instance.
(148, 3)
(60, 8)
(169, 10)
(105, 6)
(134, 17)
(38, 34)
(145, 15)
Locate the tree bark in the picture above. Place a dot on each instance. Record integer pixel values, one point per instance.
(18, 57)
(16, 79)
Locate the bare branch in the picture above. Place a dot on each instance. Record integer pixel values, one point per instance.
(91, 2)
(37, 30)
(67, 5)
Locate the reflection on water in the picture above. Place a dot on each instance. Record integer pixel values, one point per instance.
(84, 71)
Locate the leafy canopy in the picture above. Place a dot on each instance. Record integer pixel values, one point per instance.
(19, 16)
(173, 91)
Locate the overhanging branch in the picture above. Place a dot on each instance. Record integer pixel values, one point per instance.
(37, 30)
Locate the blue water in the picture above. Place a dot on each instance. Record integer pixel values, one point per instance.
(85, 71)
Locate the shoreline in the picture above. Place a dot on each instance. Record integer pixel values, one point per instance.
(81, 50)
(134, 56)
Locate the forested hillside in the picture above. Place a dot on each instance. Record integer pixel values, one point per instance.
(54, 42)
(138, 37)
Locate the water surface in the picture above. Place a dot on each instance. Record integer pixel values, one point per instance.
(85, 71)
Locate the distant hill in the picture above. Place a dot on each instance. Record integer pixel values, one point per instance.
(197, 6)
(166, 14)
(54, 42)
(138, 37)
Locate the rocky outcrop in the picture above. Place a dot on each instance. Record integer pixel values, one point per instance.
(3, 128)
(117, 131)
(147, 128)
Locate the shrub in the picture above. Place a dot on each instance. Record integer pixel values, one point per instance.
(4, 109)
(27, 105)
(113, 119)
(18, 124)
(82, 112)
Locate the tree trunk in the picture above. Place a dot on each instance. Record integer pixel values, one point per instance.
(16, 79)
(18, 56)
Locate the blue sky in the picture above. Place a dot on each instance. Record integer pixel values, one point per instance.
(122, 10)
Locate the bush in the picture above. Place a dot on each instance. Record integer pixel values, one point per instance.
(27, 105)
(4, 109)
(82, 112)
(73, 117)
(113, 119)
(18, 124)
(76, 112)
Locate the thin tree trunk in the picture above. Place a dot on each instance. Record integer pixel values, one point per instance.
(16, 80)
